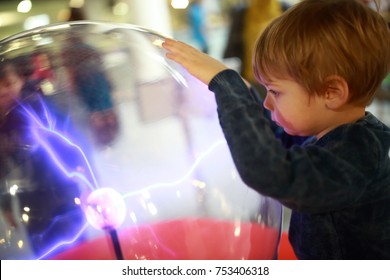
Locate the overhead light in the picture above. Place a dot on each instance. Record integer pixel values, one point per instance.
(179, 4)
(24, 6)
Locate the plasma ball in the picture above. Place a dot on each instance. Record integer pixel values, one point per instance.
(105, 209)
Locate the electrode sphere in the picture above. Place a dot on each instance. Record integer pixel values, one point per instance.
(105, 209)
(107, 146)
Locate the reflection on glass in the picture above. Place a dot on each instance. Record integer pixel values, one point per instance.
(109, 151)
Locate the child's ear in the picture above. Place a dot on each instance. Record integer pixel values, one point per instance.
(336, 93)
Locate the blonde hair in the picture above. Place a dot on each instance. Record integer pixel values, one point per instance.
(316, 39)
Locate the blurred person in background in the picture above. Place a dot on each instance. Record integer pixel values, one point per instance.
(196, 18)
(93, 88)
(247, 22)
(90, 82)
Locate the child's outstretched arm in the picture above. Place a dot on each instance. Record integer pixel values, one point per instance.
(197, 63)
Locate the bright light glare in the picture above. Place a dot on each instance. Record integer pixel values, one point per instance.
(35, 21)
(106, 209)
(25, 218)
(13, 189)
(24, 6)
(179, 4)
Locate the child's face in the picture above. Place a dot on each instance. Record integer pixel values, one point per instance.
(10, 88)
(293, 109)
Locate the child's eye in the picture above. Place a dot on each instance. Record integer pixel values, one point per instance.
(273, 92)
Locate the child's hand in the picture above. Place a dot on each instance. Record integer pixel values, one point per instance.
(197, 63)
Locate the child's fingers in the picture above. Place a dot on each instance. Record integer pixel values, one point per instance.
(170, 44)
(198, 64)
(178, 46)
(177, 51)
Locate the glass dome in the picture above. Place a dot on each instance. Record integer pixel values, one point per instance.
(110, 151)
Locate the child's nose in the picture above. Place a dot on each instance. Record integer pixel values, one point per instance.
(268, 103)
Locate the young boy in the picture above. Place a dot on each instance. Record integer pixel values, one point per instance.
(321, 63)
